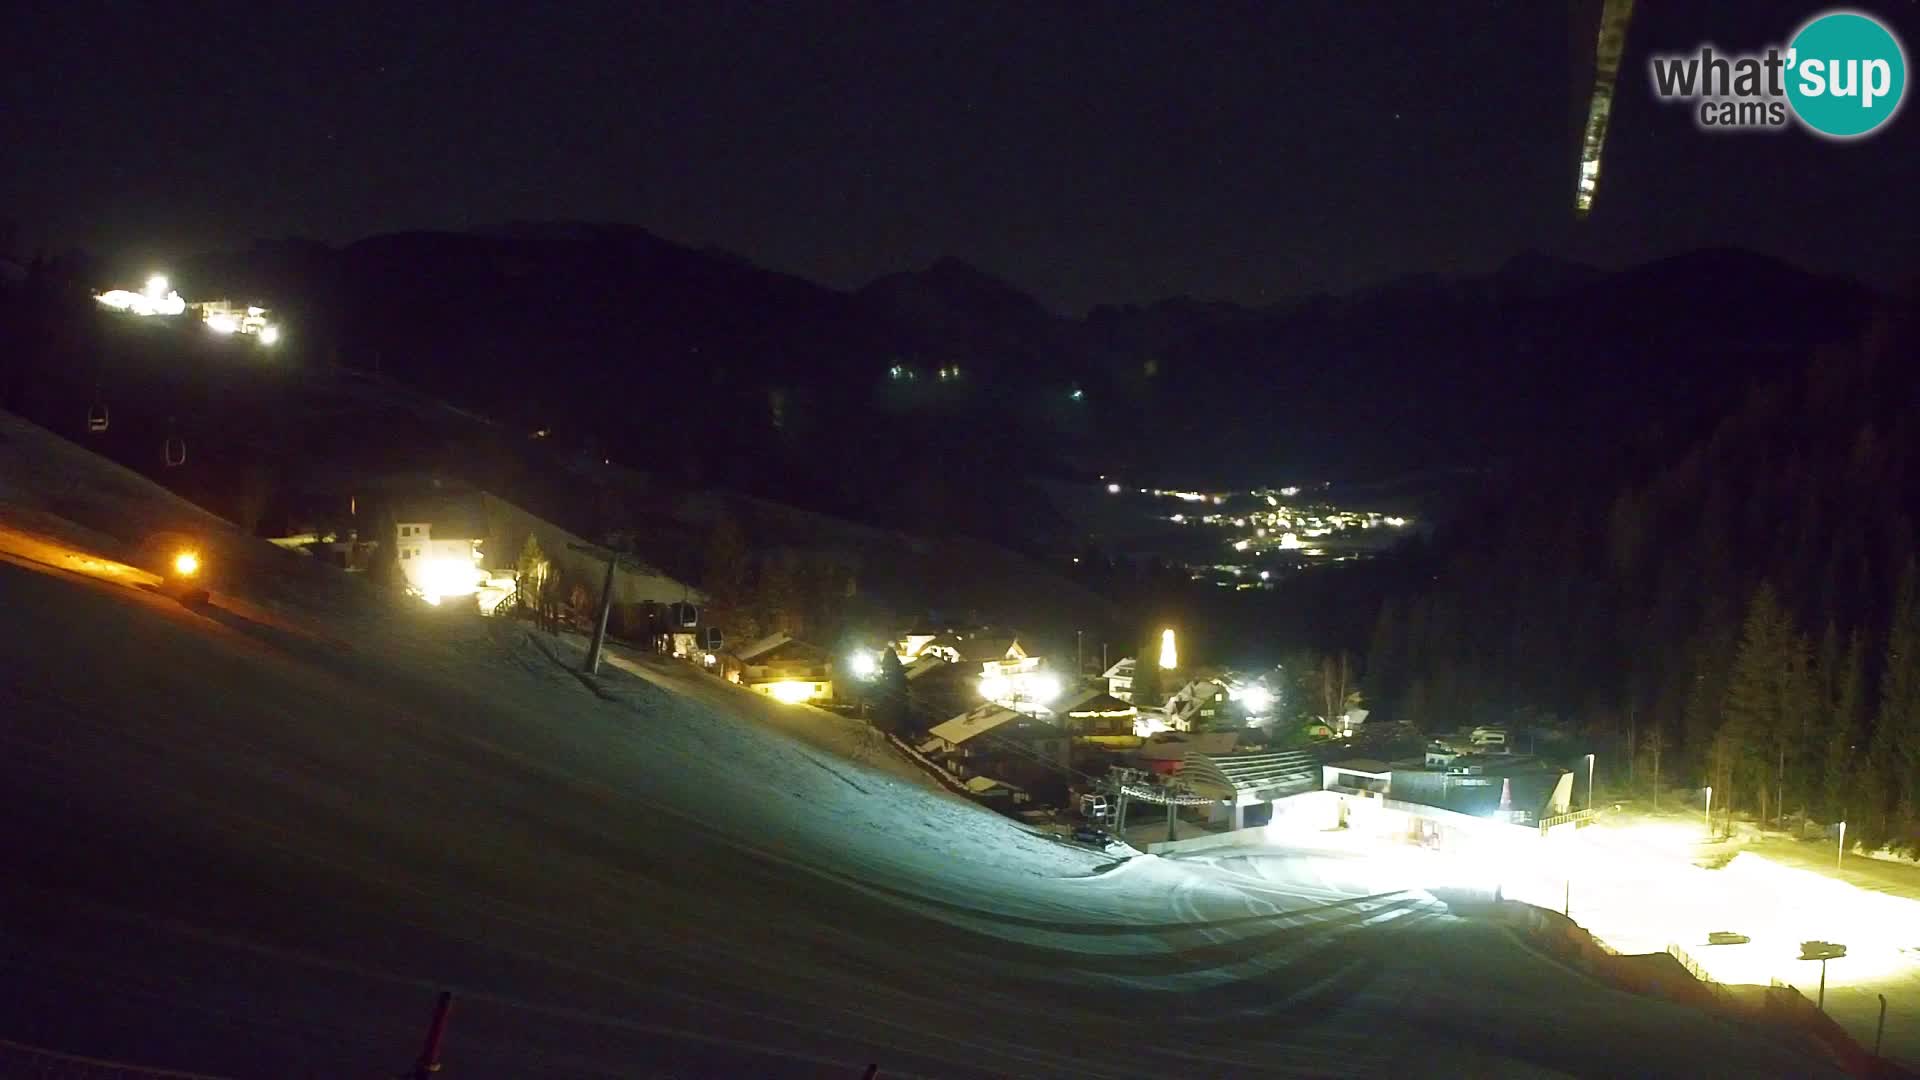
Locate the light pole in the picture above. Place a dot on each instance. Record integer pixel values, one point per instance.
(1709, 811)
(1822, 951)
(591, 665)
(1589, 781)
(1840, 856)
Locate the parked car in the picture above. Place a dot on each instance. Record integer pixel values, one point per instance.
(1091, 834)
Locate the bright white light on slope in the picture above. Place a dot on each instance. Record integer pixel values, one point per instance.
(1022, 688)
(1257, 699)
(157, 287)
(223, 324)
(141, 304)
(269, 335)
(1042, 687)
(790, 691)
(1169, 652)
(863, 665)
(447, 577)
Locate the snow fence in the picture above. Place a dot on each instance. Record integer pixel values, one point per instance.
(1675, 976)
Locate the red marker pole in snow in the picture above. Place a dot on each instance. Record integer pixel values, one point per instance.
(429, 1063)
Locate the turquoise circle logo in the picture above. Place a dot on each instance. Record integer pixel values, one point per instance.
(1846, 74)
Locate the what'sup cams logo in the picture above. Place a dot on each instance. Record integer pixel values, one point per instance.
(1842, 76)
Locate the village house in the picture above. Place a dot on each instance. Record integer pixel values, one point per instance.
(469, 542)
(938, 689)
(1450, 800)
(1096, 716)
(1200, 704)
(1120, 679)
(784, 669)
(996, 741)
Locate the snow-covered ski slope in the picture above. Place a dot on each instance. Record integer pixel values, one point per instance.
(257, 846)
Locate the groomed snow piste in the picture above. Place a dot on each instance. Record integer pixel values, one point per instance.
(255, 839)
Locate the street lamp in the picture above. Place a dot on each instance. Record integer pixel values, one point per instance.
(1709, 811)
(1822, 951)
(1589, 781)
(1841, 855)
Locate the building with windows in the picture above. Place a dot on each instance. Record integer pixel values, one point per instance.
(434, 530)
(1120, 679)
(996, 741)
(1093, 715)
(784, 669)
(440, 549)
(1445, 800)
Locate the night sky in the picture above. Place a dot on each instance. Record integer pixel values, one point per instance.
(1086, 152)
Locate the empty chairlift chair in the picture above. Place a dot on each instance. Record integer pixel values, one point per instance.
(97, 418)
(174, 449)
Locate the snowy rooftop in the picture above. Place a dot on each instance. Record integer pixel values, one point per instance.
(1094, 701)
(980, 785)
(925, 665)
(755, 650)
(970, 725)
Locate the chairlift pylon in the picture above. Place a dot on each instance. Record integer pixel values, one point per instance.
(97, 417)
